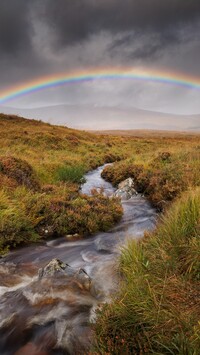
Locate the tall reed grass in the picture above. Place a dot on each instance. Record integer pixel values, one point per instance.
(157, 309)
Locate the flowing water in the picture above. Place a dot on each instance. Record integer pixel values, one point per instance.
(51, 316)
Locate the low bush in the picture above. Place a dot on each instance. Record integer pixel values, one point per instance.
(161, 178)
(27, 216)
(19, 171)
(15, 226)
(87, 215)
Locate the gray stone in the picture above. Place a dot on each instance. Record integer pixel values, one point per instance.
(57, 267)
(126, 189)
(53, 267)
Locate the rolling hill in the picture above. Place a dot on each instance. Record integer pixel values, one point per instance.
(107, 118)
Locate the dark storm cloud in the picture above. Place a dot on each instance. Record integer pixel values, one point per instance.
(20, 58)
(15, 27)
(38, 37)
(149, 46)
(69, 22)
(74, 21)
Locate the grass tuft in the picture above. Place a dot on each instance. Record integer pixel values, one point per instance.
(74, 174)
(157, 309)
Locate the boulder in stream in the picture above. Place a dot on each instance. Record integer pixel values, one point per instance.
(57, 268)
(126, 189)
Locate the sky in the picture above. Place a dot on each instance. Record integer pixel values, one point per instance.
(43, 37)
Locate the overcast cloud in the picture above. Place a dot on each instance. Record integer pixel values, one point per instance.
(51, 36)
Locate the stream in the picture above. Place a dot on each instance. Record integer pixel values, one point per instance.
(51, 316)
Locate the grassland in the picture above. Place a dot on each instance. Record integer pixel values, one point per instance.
(41, 168)
(156, 310)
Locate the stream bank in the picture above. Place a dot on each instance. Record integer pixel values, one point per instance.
(51, 315)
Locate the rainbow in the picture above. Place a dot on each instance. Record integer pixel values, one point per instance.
(139, 74)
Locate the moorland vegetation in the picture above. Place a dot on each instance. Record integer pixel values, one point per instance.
(41, 169)
(156, 310)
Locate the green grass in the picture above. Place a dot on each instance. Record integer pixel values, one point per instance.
(74, 174)
(157, 309)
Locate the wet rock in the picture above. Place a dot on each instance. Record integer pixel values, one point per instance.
(126, 184)
(57, 267)
(126, 189)
(53, 267)
(73, 335)
(13, 331)
(31, 349)
(73, 236)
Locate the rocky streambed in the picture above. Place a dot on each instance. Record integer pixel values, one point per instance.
(49, 293)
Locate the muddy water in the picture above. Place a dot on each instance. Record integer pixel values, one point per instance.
(51, 316)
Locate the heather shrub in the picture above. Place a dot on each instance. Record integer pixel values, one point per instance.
(20, 171)
(160, 178)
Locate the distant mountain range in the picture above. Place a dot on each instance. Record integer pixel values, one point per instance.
(107, 118)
